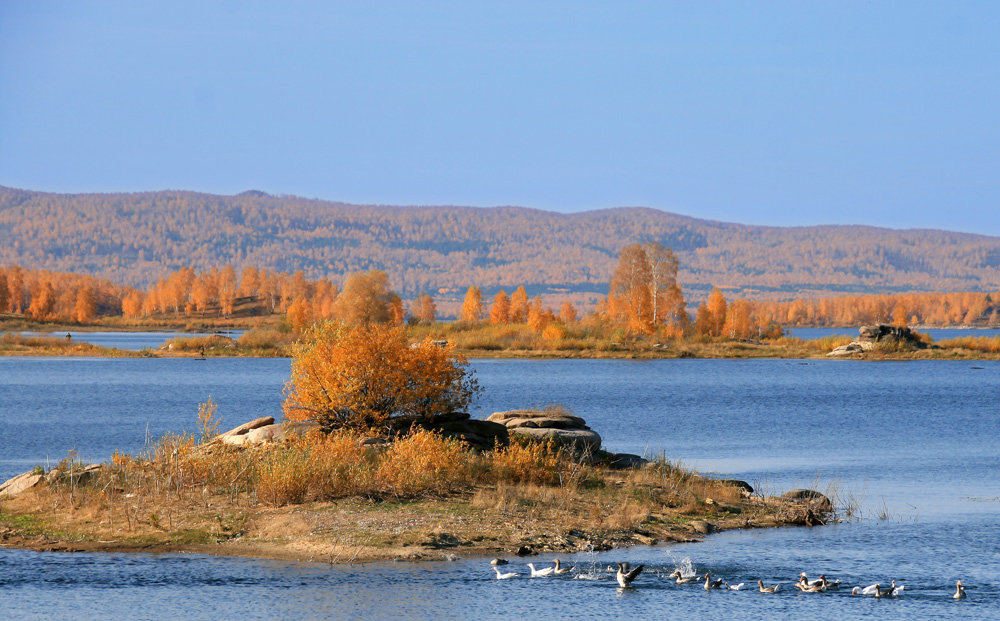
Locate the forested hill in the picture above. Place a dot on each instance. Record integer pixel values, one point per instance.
(135, 238)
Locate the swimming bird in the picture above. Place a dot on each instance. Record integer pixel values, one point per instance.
(712, 584)
(540, 573)
(626, 576)
(559, 569)
(959, 591)
(734, 587)
(770, 589)
(819, 581)
(816, 586)
(505, 576)
(498, 561)
(682, 580)
(868, 590)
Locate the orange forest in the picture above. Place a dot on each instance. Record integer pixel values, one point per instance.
(643, 298)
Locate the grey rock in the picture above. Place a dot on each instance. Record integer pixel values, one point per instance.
(280, 431)
(19, 484)
(244, 428)
(809, 496)
(625, 461)
(703, 527)
(578, 439)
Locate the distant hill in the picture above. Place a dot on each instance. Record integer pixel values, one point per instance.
(135, 238)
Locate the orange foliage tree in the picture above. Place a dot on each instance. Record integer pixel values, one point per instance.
(360, 376)
(424, 309)
(500, 310)
(472, 306)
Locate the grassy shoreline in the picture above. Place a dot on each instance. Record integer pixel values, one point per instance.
(981, 348)
(501, 506)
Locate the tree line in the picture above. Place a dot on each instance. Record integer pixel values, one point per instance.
(644, 298)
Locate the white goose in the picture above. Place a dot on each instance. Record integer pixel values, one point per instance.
(959, 591)
(735, 587)
(540, 573)
(505, 576)
(626, 576)
(559, 569)
(821, 581)
(868, 590)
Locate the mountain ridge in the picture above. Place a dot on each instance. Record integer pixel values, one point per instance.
(135, 237)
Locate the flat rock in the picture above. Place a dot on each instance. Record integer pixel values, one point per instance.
(280, 431)
(21, 483)
(547, 422)
(244, 428)
(579, 439)
(568, 420)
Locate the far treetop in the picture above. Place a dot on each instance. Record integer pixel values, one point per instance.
(138, 238)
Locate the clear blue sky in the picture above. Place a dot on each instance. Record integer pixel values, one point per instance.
(783, 113)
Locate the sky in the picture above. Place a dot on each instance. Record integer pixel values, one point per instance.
(774, 113)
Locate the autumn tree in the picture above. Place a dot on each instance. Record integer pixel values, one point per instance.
(227, 285)
(365, 298)
(519, 305)
(472, 306)
(500, 309)
(363, 375)
(716, 309)
(132, 304)
(630, 296)
(424, 309)
(4, 294)
(397, 310)
(43, 301)
(15, 288)
(85, 308)
(567, 313)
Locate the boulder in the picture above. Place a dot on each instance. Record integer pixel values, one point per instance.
(578, 439)
(847, 350)
(479, 434)
(539, 418)
(19, 484)
(625, 461)
(79, 473)
(243, 429)
(743, 485)
(703, 527)
(280, 431)
(809, 496)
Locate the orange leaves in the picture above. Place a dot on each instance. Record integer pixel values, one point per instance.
(359, 376)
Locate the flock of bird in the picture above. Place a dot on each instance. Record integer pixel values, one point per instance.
(626, 575)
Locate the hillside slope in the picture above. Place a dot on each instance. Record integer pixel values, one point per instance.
(135, 238)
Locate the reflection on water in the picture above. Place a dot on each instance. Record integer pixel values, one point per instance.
(918, 438)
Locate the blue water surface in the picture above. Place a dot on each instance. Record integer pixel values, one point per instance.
(913, 442)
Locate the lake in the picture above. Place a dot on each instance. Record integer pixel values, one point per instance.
(916, 442)
(133, 341)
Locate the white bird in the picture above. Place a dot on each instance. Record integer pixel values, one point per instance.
(816, 586)
(626, 576)
(734, 587)
(559, 569)
(821, 581)
(770, 589)
(712, 584)
(505, 576)
(539, 573)
(681, 579)
(868, 590)
(959, 591)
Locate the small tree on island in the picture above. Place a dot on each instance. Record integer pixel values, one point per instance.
(361, 376)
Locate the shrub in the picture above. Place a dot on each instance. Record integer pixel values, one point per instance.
(360, 376)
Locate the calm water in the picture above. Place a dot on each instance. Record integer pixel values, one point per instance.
(916, 439)
(938, 334)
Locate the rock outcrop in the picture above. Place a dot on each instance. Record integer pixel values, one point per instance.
(563, 429)
(237, 436)
(482, 435)
(871, 337)
(19, 484)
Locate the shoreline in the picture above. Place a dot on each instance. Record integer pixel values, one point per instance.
(432, 536)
